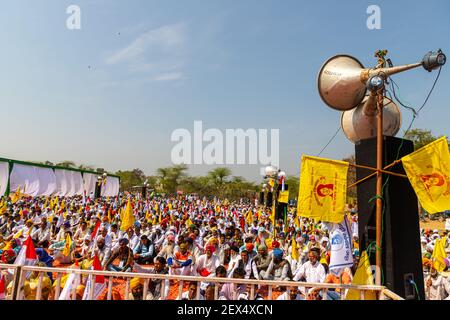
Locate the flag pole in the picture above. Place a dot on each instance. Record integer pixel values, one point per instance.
(379, 186)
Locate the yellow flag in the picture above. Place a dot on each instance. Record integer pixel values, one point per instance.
(67, 246)
(16, 196)
(128, 217)
(439, 255)
(271, 182)
(46, 202)
(363, 276)
(272, 216)
(294, 253)
(268, 243)
(249, 217)
(283, 197)
(8, 246)
(323, 189)
(428, 171)
(296, 221)
(3, 208)
(18, 234)
(160, 217)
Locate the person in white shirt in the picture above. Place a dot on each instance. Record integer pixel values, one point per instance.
(158, 238)
(81, 233)
(447, 223)
(114, 234)
(102, 251)
(249, 266)
(132, 238)
(436, 286)
(103, 233)
(312, 271)
(42, 235)
(208, 262)
(191, 294)
(234, 258)
(292, 295)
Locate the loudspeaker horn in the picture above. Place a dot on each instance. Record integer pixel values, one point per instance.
(342, 80)
(361, 122)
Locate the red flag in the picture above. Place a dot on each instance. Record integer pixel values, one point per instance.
(2, 287)
(31, 251)
(27, 254)
(94, 233)
(96, 265)
(242, 222)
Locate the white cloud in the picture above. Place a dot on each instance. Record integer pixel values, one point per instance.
(169, 77)
(165, 40)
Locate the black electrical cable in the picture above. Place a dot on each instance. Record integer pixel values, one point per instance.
(332, 138)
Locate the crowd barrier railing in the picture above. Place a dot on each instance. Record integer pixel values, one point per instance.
(21, 273)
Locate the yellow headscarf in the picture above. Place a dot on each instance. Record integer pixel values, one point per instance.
(135, 282)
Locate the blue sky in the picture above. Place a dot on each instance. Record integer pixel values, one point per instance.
(111, 94)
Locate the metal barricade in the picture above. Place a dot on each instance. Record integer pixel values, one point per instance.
(251, 287)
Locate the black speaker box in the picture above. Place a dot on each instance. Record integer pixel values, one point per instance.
(281, 209)
(401, 251)
(269, 199)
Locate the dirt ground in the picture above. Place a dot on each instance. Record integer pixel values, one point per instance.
(432, 225)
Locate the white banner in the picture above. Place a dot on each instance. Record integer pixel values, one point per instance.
(70, 283)
(111, 187)
(98, 289)
(89, 181)
(47, 181)
(4, 175)
(26, 178)
(341, 247)
(69, 183)
(62, 183)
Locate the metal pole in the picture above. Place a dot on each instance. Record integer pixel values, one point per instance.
(379, 203)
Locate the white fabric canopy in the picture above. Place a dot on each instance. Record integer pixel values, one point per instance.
(26, 178)
(38, 181)
(47, 181)
(33, 181)
(4, 175)
(61, 182)
(69, 183)
(89, 181)
(111, 187)
(77, 180)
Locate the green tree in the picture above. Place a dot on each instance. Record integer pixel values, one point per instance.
(293, 184)
(351, 178)
(219, 176)
(420, 137)
(130, 179)
(66, 164)
(86, 167)
(171, 177)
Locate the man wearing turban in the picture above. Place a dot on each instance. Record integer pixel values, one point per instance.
(207, 262)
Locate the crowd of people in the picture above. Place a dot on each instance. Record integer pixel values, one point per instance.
(184, 235)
